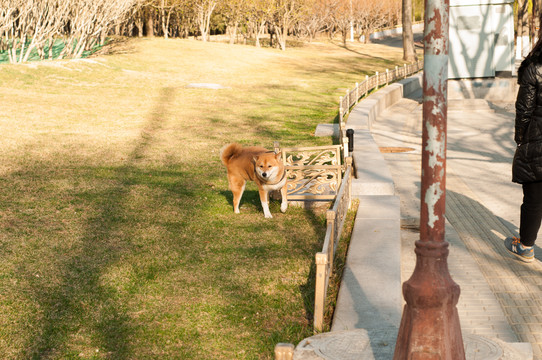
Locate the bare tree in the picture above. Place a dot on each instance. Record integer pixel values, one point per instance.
(234, 11)
(204, 10)
(8, 17)
(185, 16)
(88, 20)
(15, 26)
(31, 24)
(259, 13)
(166, 8)
(409, 51)
(314, 17)
(371, 15)
(28, 25)
(340, 18)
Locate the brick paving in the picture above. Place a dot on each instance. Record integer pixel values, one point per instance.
(501, 297)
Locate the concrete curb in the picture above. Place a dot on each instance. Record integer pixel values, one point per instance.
(366, 111)
(376, 233)
(372, 176)
(370, 292)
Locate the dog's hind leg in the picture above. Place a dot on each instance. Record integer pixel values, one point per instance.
(237, 188)
(265, 203)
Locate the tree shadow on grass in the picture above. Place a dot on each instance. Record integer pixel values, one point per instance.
(249, 198)
(80, 295)
(307, 290)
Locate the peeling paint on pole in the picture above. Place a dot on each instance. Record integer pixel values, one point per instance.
(435, 147)
(433, 202)
(432, 196)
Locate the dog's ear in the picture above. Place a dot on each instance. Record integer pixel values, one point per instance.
(254, 159)
(278, 156)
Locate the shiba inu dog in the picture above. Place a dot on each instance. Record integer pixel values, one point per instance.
(254, 163)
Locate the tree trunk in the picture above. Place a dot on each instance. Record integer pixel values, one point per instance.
(367, 37)
(163, 19)
(280, 35)
(139, 23)
(103, 37)
(232, 30)
(535, 24)
(259, 32)
(168, 22)
(205, 11)
(271, 31)
(409, 51)
(523, 47)
(149, 24)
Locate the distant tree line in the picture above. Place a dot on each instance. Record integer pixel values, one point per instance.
(244, 20)
(67, 28)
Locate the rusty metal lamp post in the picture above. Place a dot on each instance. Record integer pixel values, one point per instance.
(430, 326)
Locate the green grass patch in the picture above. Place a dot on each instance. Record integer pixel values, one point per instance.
(117, 234)
(57, 47)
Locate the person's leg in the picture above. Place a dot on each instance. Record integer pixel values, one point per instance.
(531, 213)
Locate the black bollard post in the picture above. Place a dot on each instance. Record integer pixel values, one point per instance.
(350, 136)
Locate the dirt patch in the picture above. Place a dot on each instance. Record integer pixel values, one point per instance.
(115, 45)
(395, 149)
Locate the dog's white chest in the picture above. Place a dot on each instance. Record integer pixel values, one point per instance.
(276, 186)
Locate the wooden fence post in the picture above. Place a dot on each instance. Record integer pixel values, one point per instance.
(357, 92)
(320, 290)
(284, 351)
(331, 222)
(341, 111)
(387, 77)
(345, 148)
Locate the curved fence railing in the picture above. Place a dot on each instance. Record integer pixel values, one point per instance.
(324, 259)
(352, 96)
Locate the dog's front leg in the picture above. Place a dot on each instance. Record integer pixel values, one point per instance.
(265, 204)
(284, 203)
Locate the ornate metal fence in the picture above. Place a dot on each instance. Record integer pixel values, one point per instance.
(313, 173)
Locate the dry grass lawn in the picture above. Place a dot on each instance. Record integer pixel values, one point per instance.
(117, 235)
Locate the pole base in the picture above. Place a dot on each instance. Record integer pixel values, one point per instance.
(361, 344)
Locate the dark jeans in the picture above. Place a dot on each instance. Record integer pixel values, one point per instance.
(531, 213)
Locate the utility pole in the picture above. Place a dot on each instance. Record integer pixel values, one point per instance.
(430, 326)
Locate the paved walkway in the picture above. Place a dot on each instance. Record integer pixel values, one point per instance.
(501, 297)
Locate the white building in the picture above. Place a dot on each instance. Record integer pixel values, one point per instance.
(481, 39)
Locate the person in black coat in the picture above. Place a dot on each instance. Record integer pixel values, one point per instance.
(527, 163)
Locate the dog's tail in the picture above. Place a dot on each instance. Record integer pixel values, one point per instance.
(229, 151)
